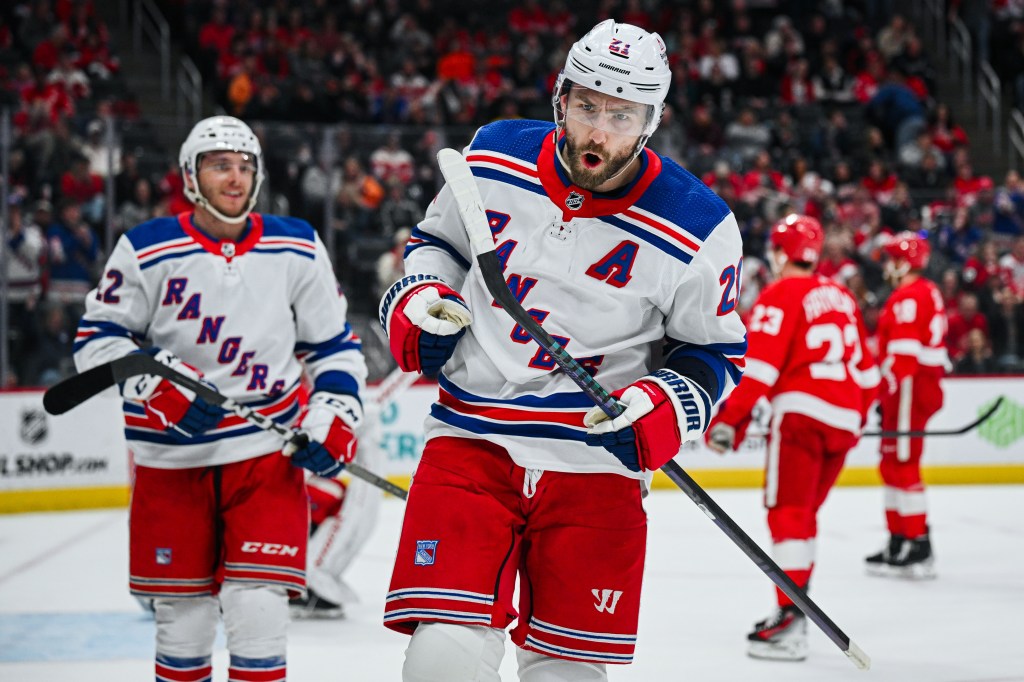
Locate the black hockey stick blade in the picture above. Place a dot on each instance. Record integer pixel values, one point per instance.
(982, 418)
(74, 391)
(459, 177)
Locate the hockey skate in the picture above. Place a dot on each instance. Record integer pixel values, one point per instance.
(880, 563)
(314, 606)
(915, 560)
(780, 637)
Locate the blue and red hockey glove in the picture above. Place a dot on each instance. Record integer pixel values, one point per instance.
(424, 319)
(330, 421)
(663, 411)
(170, 407)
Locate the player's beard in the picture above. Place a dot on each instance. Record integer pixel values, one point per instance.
(591, 179)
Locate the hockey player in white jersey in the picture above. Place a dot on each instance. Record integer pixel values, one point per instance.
(218, 516)
(622, 256)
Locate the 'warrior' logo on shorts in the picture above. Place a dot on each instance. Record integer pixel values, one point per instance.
(574, 201)
(426, 551)
(607, 600)
(163, 556)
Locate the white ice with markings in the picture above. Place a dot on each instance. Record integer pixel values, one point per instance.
(65, 612)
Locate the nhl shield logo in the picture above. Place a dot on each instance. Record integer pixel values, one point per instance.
(426, 551)
(574, 201)
(33, 426)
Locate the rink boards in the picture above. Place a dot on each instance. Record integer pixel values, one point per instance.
(80, 460)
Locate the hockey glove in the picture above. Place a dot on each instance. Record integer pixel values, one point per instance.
(330, 421)
(173, 408)
(663, 411)
(424, 322)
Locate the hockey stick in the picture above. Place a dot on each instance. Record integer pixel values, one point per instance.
(460, 179)
(75, 390)
(940, 432)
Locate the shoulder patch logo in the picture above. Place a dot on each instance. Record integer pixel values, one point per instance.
(574, 201)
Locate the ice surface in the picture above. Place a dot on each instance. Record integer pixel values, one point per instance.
(65, 611)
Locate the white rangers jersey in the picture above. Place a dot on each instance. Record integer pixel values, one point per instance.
(245, 313)
(608, 276)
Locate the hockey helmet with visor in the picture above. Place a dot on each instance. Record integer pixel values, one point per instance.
(220, 134)
(627, 64)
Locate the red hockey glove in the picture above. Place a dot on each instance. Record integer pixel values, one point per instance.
(175, 409)
(330, 421)
(424, 319)
(663, 411)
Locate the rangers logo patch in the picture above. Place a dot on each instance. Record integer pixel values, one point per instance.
(426, 552)
(163, 556)
(574, 201)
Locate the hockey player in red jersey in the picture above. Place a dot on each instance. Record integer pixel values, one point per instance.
(912, 347)
(807, 356)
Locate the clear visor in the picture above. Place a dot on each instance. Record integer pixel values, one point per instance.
(610, 114)
(246, 164)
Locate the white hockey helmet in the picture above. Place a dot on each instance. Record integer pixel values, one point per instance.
(219, 134)
(620, 60)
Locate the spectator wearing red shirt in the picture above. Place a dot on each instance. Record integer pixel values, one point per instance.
(392, 163)
(81, 186)
(172, 190)
(797, 87)
(981, 266)
(946, 134)
(835, 262)
(866, 82)
(723, 174)
(949, 287)
(216, 34)
(529, 17)
(964, 319)
(47, 52)
(762, 178)
(967, 184)
(880, 182)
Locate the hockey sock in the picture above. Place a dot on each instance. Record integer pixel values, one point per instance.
(270, 669)
(179, 669)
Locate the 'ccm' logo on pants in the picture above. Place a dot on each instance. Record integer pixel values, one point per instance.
(269, 548)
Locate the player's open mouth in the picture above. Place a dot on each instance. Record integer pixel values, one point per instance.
(591, 160)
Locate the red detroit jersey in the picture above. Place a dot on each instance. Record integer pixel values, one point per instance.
(806, 354)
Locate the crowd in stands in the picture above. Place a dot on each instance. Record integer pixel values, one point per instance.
(826, 108)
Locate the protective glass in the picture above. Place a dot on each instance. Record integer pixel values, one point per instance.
(610, 114)
(247, 166)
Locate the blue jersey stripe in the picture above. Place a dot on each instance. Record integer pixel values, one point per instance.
(508, 179)
(648, 237)
(304, 254)
(104, 330)
(431, 240)
(555, 401)
(169, 256)
(531, 430)
(162, 439)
